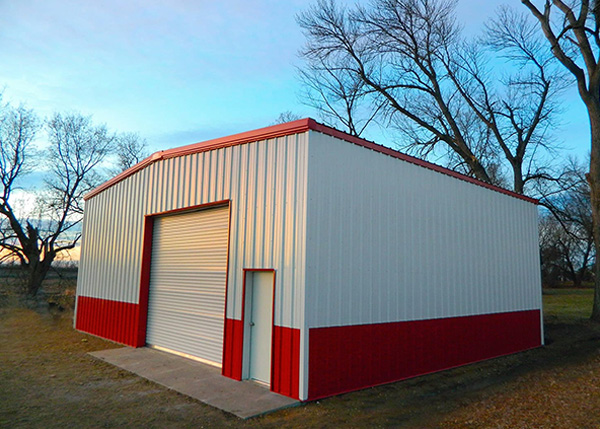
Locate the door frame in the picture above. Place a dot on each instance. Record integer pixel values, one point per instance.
(246, 340)
(142, 315)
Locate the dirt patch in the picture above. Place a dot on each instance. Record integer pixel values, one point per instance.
(48, 380)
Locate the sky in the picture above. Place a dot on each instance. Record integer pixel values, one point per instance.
(178, 72)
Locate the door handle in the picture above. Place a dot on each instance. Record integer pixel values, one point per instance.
(251, 323)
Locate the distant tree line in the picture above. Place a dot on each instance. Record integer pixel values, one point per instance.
(567, 250)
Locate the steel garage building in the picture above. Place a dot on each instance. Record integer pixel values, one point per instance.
(310, 260)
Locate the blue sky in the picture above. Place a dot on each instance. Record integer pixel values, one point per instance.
(176, 72)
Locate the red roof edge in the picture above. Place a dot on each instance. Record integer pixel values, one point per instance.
(280, 130)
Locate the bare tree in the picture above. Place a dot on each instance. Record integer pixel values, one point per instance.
(520, 107)
(339, 96)
(563, 257)
(76, 148)
(434, 87)
(572, 30)
(18, 128)
(131, 149)
(287, 116)
(566, 228)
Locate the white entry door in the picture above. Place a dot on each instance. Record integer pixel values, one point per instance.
(260, 322)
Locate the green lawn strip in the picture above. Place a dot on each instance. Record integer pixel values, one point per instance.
(567, 305)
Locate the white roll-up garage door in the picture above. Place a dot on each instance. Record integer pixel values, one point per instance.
(186, 300)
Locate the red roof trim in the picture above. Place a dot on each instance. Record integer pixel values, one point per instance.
(294, 127)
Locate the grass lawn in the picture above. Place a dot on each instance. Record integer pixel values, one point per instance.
(567, 305)
(48, 380)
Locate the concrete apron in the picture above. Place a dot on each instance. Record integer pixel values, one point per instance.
(200, 381)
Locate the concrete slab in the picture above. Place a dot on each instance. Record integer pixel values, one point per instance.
(200, 381)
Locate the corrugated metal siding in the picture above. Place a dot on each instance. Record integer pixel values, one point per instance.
(186, 300)
(266, 182)
(390, 241)
(346, 358)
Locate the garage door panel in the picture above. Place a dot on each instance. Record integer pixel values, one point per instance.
(210, 309)
(194, 254)
(192, 291)
(194, 288)
(175, 342)
(204, 257)
(188, 276)
(189, 293)
(186, 302)
(183, 317)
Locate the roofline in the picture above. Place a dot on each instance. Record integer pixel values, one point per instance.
(289, 128)
(280, 130)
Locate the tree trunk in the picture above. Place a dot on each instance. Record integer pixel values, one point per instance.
(596, 307)
(594, 180)
(518, 183)
(577, 280)
(36, 273)
(479, 171)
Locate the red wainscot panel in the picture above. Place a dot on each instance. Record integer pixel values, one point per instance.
(285, 373)
(346, 358)
(113, 320)
(285, 364)
(233, 349)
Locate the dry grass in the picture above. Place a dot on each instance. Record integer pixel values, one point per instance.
(48, 380)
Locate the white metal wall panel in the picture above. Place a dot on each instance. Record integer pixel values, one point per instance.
(266, 182)
(186, 300)
(391, 241)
